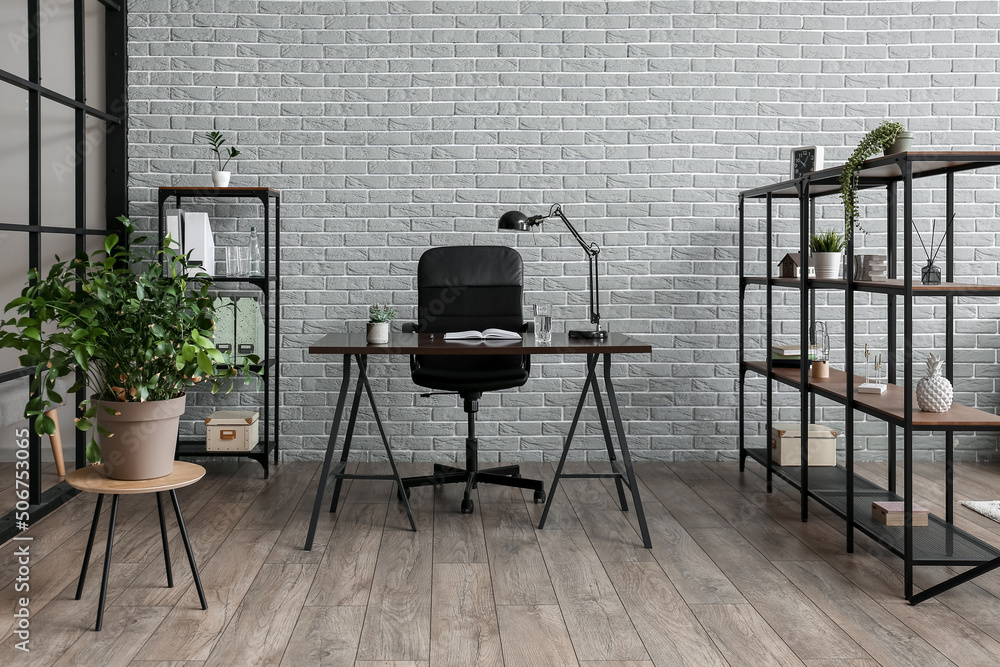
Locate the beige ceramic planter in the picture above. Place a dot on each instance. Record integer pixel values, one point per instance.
(143, 437)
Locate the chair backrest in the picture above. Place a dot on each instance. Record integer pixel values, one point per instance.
(469, 287)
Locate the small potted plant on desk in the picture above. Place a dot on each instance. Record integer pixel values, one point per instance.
(827, 248)
(379, 317)
(221, 177)
(136, 331)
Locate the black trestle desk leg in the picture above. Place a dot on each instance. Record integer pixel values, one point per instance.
(363, 378)
(107, 562)
(187, 547)
(591, 365)
(338, 481)
(90, 546)
(163, 536)
(626, 456)
(331, 443)
(611, 448)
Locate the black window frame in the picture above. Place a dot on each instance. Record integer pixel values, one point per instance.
(115, 117)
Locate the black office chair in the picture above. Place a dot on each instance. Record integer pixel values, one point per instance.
(464, 288)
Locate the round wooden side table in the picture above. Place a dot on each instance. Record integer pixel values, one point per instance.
(94, 479)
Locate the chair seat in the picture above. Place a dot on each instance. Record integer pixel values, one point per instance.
(458, 379)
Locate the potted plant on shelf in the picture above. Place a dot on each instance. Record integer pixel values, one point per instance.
(889, 137)
(221, 177)
(827, 250)
(136, 331)
(379, 317)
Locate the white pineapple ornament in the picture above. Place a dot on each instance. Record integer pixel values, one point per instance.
(934, 392)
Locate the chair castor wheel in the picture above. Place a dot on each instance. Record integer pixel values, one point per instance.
(539, 497)
(399, 496)
(467, 506)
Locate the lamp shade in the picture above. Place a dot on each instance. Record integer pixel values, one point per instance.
(513, 220)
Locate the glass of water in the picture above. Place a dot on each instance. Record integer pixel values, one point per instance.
(543, 322)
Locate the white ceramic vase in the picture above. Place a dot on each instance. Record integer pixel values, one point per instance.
(221, 179)
(827, 264)
(378, 333)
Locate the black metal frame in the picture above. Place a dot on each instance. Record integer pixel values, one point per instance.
(621, 476)
(270, 364)
(116, 195)
(111, 542)
(839, 488)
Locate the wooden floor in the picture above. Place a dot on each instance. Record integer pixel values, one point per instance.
(733, 578)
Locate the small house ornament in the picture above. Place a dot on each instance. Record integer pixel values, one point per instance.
(789, 265)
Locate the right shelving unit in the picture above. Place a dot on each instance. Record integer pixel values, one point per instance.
(839, 488)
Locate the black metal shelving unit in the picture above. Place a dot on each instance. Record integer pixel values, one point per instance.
(839, 488)
(271, 366)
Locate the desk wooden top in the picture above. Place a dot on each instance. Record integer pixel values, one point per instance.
(94, 479)
(355, 342)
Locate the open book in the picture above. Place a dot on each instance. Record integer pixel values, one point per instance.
(488, 334)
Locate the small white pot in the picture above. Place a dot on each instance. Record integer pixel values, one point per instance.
(827, 264)
(221, 179)
(378, 333)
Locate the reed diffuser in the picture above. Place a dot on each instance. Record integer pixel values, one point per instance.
(930, 274)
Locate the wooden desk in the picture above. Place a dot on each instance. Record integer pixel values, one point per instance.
(355, 344)
(94, 479)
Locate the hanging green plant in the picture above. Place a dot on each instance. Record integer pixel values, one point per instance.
(874, 142)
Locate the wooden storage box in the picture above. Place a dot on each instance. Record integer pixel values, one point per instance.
(232, 431)
(786, 444)
(890, 513)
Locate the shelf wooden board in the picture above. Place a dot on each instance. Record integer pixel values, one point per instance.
(887, 406)
(938, 543)
(187, 191)
(894, 286)
(880, 170)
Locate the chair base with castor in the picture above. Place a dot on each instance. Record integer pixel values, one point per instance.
(471, 475)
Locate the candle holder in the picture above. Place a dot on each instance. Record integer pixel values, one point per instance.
(869, 387)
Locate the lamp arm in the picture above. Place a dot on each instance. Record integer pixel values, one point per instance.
(592, 250)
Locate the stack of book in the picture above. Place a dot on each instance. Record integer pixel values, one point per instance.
(870, 267)
(789, 356)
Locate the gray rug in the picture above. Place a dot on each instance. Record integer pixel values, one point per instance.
(988, 508)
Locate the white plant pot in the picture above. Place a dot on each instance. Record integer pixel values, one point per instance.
(378, 333)
(221, 179)
(827, 264)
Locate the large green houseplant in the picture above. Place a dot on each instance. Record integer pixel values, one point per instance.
(876, 141)
(132, 327)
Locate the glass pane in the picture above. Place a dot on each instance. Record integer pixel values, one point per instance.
(96, 148)
(14, 26)
(14, 156)
(58, 67)
(94, 15)
(13, 276)
(59, 156)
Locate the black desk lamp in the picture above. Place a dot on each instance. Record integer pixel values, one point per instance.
(517, 221)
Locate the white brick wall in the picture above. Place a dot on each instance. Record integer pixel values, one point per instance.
(391, 127)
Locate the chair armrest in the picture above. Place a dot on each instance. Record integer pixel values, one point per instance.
(409, 327)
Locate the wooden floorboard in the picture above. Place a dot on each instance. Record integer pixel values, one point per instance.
(734, 577)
